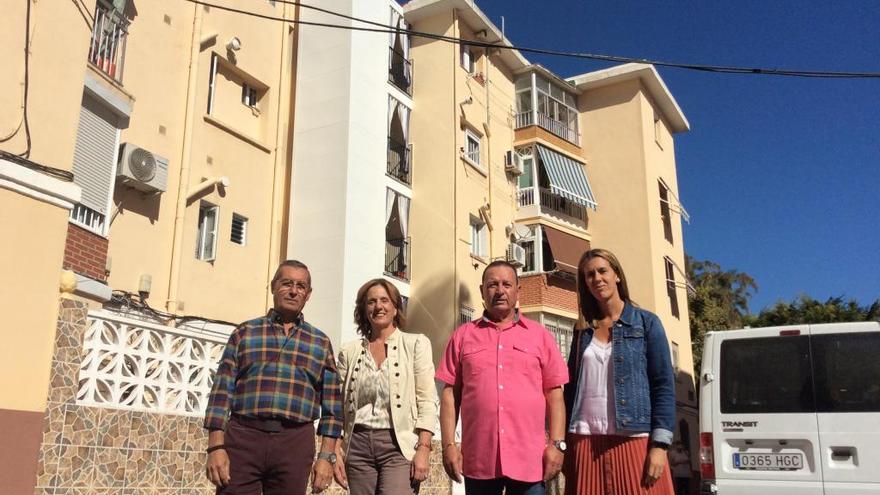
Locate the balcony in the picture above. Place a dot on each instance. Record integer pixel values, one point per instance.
(397, 255)
(548, 123)
(107, 45)
(553, 202)
(399, 164)
(400, 71)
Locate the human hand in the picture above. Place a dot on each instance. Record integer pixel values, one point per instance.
(452, 462)
(419, 468)
(552, 462)
(322, 474)
(217, 468)
(654, 464)
(339, 468)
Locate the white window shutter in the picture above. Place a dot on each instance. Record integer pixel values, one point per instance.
(95, 154)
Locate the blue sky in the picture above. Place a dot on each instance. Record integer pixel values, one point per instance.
(781, 176)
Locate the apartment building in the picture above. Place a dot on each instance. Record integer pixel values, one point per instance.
(168, 124)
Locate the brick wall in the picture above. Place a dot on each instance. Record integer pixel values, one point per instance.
(85, 252)
(548, 290)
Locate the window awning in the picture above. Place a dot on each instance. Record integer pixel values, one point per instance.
(566, 248)
(675, 203)
(567, 177)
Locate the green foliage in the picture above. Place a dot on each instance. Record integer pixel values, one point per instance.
(720, 301)
(805, 309)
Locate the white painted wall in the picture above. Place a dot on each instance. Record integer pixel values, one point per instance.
(337, 208)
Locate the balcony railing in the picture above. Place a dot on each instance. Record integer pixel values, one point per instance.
(397, 256)
(399, 161)
(548, 123)
(107, 46)
(554, 202)
(400, 71)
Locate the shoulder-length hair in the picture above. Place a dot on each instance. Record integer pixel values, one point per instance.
(588, 308)
(360, 305)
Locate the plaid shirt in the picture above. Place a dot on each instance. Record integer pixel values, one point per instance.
(265, 374)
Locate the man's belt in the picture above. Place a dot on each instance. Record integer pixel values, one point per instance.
(270, 425)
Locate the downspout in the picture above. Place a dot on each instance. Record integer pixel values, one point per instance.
(285, 78)
(185, 163)
(488, 130)
(456, 161)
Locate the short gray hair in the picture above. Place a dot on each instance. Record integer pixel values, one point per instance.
(292, 264)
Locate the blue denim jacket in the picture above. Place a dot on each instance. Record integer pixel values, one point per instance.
(644, 382)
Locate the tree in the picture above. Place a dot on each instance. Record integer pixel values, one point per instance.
(805, 309)
(720, 301)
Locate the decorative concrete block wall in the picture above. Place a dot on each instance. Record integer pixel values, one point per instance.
(104, 450)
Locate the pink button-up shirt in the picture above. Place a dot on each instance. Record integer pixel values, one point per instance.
(503, 373)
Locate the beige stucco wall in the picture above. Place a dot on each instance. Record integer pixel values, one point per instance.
(31, 268)
(448, 190)
(56, 71)
(233, 142)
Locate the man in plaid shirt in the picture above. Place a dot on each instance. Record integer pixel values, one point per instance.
(277, 375)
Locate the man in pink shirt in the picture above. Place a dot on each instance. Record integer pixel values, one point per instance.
(502, 372)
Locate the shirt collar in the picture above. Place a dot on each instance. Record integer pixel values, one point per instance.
(274, 317)
(516, 319)
(628, 313)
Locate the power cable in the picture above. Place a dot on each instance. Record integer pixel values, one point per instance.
(589, 56)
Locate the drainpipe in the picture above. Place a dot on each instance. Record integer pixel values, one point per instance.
(456, 159)
(282, 152)
(185, 163)
(489, 154)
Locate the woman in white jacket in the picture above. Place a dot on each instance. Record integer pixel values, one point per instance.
(389, 399)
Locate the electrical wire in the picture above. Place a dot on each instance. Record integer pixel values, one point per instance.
(588, 56)
(27, 58)
(130, 301)
(64, 175)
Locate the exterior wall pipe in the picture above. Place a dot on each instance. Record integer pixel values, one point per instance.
(185, 163)
(207, 184)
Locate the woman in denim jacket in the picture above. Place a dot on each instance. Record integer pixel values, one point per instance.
(620, 400)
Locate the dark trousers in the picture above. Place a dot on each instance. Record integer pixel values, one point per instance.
(268, 463)
(495, 486)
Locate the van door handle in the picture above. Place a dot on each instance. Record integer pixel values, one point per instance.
(841, 453)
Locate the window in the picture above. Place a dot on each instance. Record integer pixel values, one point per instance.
(465, 314)
(658, 130)
(479, 238)
(527, 178)
(239, 230)
(675, 360)
(562, 330)
(670, 287)
(472, 146)
(206, 244)
(847, 372)
(469, 57)
(665, 212)
(249, 95)
(766, 375)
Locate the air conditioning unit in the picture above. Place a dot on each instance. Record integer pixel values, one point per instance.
(513, 163)
(516, 254)
(142, 170)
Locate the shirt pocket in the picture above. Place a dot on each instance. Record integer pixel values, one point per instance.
(527, 360)
(634, 342)
(476, 358)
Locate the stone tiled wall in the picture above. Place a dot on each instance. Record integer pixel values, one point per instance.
(91, 450)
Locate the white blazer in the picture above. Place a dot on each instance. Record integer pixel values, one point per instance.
(413, 396)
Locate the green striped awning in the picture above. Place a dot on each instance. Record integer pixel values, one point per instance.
(567, 177)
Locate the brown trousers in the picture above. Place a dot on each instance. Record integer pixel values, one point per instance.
(276, 463)
(375, 466)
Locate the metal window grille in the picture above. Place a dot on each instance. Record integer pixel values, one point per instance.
(239, 229)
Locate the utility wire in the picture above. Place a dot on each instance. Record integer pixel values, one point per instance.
(589, 56)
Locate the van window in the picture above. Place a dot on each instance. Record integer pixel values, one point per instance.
(847, 372)
(766, 375)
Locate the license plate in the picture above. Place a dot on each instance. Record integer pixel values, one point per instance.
(768, 462)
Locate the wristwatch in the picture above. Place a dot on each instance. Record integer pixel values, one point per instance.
(560, 445)
(328, 456)
(659, 445)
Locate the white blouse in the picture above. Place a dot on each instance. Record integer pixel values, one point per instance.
(373, 398)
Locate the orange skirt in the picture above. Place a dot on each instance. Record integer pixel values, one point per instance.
(610, 465)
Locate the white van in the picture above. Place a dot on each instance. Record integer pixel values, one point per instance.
(791, 410)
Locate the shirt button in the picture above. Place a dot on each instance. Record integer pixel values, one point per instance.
(500, 366)
(397, 374)
(622, 402)
(620, 381)
(502, 431)
(500, 346)
(395, 364)
(500, 387)
(500, 408)
(394, 348)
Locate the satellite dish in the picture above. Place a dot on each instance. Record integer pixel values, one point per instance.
(142, 164)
